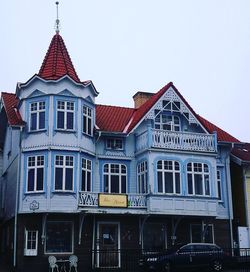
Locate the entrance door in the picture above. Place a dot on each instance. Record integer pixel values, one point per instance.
(108, 237)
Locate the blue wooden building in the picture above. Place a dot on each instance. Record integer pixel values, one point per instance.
(79, 178)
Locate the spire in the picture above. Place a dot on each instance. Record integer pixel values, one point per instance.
(57, 25)
(57, 62)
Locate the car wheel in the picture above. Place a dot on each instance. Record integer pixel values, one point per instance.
(217, 265)
(167, 267)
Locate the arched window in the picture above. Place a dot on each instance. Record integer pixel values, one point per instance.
(168, 177)
(115, 178)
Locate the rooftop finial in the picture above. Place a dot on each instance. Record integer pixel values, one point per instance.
(57, 25)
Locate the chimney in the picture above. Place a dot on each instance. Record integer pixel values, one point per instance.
(140, 98)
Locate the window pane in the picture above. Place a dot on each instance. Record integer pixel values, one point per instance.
(196, 233)
(31, 180)
(198, 184)
(60, 119)
(89, 127)
(59, 237)
(207, 187)
(33, 121)
(84, 124)
(41, 120)
(160, 188)
(58, 179)
(69, 179)
(123, 185)
(88, 181)
(114, 184)
(177, 183)
(83, 180)
(70, 120)
(39, 179)
(168, 182)
(190, 184)
(106, 184)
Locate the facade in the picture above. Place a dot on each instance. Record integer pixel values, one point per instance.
(240, 172)
(79, 178)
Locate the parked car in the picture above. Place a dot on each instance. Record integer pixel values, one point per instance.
(190, 256)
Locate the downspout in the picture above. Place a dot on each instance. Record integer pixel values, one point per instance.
(229, 199)
(17, 199)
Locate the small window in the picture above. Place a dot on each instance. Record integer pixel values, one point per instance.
(142, 177)
(31, 242)
(86, 175)
(35, 178)
(167, 122)
(65, 115)
(37, 116)
(87, 120)
(114, 143)
(59, 237)
(64, 170)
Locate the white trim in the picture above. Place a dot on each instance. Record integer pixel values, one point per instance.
(33, 251)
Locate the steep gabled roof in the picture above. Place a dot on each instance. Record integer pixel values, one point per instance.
(10, 103)
(57, 62)
(222, 136)
(112, 118)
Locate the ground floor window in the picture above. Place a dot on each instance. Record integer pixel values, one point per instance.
(201, 233)
(31, 242)
(59, 237)
(154, 236)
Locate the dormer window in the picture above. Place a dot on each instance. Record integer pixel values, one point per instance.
(167, 122)
(65, 115)
(114, 143)
(37, 116)
(87, 120)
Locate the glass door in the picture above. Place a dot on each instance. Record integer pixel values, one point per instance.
(108, 244)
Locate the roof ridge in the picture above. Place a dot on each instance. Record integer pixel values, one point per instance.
(116, 106)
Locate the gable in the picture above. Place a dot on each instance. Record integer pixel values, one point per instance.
(66, 93)
(36, 93)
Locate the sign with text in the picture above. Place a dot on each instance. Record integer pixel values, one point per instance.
(113, 200)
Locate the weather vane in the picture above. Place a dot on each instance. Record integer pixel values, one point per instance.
(57, 25)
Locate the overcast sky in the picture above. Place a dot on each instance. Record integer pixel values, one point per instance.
(125, 46)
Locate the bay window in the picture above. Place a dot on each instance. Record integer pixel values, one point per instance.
(65, 115)
(87, 120)
(37, 116)
(86, 174)
(142, 177)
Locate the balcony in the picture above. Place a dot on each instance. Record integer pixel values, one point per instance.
(185, 141)
(159, 204)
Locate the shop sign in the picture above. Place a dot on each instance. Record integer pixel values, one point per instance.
(113, 200)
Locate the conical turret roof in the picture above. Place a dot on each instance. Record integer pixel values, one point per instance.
(57, 62)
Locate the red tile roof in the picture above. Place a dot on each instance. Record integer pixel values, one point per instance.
(10, 103)
(242, 152)
(222, 135)
(111, 118)
(57, 62)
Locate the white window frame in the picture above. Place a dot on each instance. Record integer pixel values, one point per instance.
(87, 168)
(173, 171)
(37, 111)
(35, 167)
(87, 116)
(72, 238)
(109, 173)
(30, 251)
(203, 173)
(142, 173)
(114, 143)
(65, 109)
(64, 166)
(219, 184)
(161, 123)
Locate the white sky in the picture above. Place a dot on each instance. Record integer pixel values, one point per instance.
(125, 46)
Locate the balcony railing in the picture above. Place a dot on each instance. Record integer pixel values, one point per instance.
(160, 203)
(155, 138)
(89, 199)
